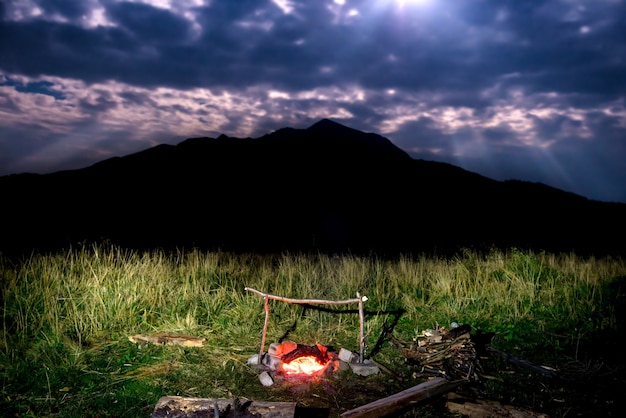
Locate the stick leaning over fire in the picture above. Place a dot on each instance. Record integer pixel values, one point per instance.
(359, 299)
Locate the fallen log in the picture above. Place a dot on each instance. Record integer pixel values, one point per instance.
(484, 408)
(405, 399)
(168, 339)
(180, 407)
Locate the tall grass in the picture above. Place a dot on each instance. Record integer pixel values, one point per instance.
(66, 316)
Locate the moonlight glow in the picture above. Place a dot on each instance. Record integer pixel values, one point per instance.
(405, 2)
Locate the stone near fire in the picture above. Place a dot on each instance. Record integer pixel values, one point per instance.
(273, 362)
(266, 379)
(280, 349)
(347, 356)
(366, 368)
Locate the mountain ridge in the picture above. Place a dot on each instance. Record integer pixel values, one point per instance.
(326, 188)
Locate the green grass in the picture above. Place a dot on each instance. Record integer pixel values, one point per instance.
(66, 318)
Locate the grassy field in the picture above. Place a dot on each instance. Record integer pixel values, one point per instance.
(67, 316)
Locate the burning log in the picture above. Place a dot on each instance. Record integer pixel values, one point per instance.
(295, 360)
(319, 352)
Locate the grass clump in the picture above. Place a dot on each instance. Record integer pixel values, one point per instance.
(66, 318)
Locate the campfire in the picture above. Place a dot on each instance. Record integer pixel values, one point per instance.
(292, 360)
(306, 365)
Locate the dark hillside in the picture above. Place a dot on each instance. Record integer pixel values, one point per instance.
(325, 188)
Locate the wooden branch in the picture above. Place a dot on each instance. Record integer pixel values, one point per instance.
(361, 330)
(402, 400)
(307, 301)
(267, 320)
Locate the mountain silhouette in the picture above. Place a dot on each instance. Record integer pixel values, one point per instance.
(327, 188)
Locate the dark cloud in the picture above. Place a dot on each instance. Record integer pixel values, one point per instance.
(38, 47)
(423, 139)
(254, 43)
(40, 87)
(150, 24)
(136, 98)
(101, 103)
(70, 9)
(497, 134)
(551, 126)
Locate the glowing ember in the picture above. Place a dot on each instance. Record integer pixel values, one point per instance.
(303, 365)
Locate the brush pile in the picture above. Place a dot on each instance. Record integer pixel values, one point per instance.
(446, 353)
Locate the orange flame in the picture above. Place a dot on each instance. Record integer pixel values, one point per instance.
(303, 365)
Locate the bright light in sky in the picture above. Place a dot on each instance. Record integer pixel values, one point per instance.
(407, 5)
(403, 2)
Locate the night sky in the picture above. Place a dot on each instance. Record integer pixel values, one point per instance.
(512, 89)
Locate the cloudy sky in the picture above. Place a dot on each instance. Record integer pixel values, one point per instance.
(525, 89)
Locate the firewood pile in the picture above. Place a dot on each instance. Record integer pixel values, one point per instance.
(448, 353)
